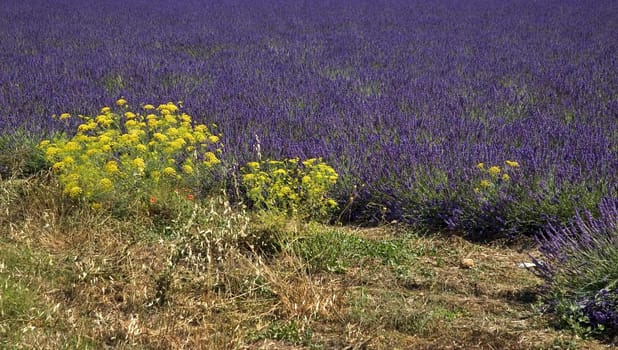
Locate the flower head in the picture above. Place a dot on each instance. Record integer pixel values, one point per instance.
(494, 170)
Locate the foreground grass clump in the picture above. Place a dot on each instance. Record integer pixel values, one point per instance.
(580, 267)
(134, 157)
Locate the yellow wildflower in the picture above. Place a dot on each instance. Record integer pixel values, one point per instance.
(309, 162)
(111, 166)
(187, 169)
(248, 177)
(171, 107)
(480, 166)
(130, 123)
(74, 191)
(139, 163)
(494, 170)
(105, 110)
(129, 115)
(159, 137)
(169, 118)
(121, 102)
(185, 117)
(93, 151)
(169, 171)
(51, 152)
(506, 177)
(58, 166)
(65, 116)
(106, 183)
(153, 123)
(213, 138)
(210, 159)
(72, 146)
(486, 183)
(512, 163)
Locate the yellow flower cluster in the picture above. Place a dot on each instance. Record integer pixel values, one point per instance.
(496, 174)
(290, 185)
(115, 151)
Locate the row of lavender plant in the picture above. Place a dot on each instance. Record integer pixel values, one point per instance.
(580, 267)
(403, 98)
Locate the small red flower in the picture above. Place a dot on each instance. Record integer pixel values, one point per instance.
(190, 197)
(153, 200)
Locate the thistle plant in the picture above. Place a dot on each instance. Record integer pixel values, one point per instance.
(291, 186)
(148, 156)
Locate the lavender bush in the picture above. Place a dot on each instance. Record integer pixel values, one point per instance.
(403, 98)
(580, 267)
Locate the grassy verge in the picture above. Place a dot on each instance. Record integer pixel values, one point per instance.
(73, 277)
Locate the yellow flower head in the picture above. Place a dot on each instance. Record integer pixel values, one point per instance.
(210, 159)
(185, 117)
(139, 163)
(480, 166)
(512, 163)
(111, 166)
(187, 169)
(106, 183)
(332, 203)
(486, 183)
(121, 102)
(309, 162)
(58, 166)
(148, 107)
(171, 107)
(72, 146)
(129, 115)
(159, 137)
(506, 177)
(65, 116)
(74, 191)
(130, 123)
(494, 170)
(169, 171)
(213, 138)
(105, 110)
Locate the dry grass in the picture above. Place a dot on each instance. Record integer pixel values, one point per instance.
(75, 278)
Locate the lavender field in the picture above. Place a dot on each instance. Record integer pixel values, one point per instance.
(403, 98)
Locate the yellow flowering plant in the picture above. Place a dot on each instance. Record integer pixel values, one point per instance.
(291, 186)
(494, 177)
(138, 153)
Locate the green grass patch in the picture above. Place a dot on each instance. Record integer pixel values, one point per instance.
(335, 251)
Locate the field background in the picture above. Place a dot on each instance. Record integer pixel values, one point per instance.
(403, 99)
